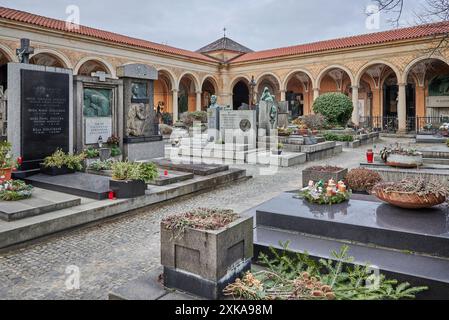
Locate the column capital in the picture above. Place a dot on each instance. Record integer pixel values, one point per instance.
(355, 87)
(199, 92)
(402, 84)
(174, 90)
(316, 89)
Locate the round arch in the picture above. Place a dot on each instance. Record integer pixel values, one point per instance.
(237, 79)
(323, 73)
(212, 80)
(363, 69)
(265, 74)
(105, 64)
(407, 69)
(290, 75)
(169, 75)
(192, 77)
(9, 54)
(56, 54)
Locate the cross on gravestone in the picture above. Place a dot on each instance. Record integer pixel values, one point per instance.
(101, 75)
(24, 52)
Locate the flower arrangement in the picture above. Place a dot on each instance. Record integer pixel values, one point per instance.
(15, 190)
(329, 193)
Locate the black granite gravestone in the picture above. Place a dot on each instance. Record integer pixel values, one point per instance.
(45, 115)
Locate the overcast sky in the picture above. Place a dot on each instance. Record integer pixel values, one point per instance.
(191, 24)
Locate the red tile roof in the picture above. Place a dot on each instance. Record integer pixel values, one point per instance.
(350, 42)
(40, 21)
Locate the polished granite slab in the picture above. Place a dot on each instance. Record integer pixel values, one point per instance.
(364, 221)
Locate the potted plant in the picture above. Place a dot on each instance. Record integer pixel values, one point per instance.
(414, 193)
(323, 173)
(283, 132)
(204, 250)
(15, 190)
(362, 180)
(60, 163)
(129, 179)
(398, 156)
(278, 150)
(7, 162)
(114, 145)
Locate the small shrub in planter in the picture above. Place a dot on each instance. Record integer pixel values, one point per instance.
(323, 173)
(338, 137)
(315, 121)
(101, 165)
(92, 153)
(336, 107)
(60, 163)
(362, 180)
(167, 118)
(129, 179)
(204, 250)
(15, 190)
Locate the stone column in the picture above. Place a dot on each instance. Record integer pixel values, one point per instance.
(316, 93)
(175, 105)
(355, 102)
(402, 109)
(198, 100)
(283, 97)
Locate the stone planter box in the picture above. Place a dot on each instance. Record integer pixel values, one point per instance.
(54, 171)
(405, 161)
(316, 176)
(203, 263)
(128, 189)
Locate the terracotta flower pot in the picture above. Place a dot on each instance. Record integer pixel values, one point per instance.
(408, 200)
(5, 174)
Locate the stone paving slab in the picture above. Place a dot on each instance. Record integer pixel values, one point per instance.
(78, 184)
(162, 180)
(42, 201)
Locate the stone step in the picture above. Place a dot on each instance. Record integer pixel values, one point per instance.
(418, 270)
(41, 202)
(365, 221)
(201, 169)
(25, 173)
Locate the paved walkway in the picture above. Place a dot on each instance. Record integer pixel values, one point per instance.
(115, 252)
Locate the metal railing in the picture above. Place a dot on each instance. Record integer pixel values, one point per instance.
(419, 125)
(381, 124)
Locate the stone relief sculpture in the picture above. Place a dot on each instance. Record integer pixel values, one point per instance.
(96, 104)
(137, 118)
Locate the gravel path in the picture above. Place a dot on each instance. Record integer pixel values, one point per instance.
(115, 252)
